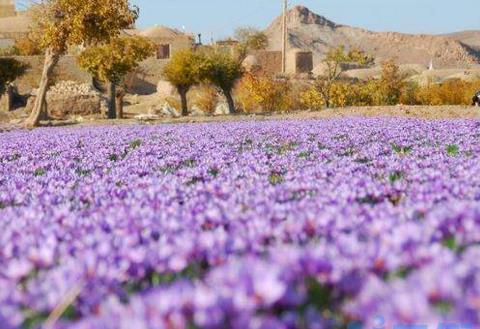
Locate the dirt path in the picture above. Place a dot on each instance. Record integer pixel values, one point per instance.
(424, 112)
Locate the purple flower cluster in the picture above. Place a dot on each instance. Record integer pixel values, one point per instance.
(276, 224)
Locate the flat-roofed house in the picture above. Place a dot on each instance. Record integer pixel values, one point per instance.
(167, 40)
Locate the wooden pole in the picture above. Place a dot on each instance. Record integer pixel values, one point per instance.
(284, 37)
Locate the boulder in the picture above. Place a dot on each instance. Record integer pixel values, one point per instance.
(197, 111)
(222, 109)
(251, 64)
(75, 105)
(169, 111)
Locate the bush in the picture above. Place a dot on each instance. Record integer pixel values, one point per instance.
(453, 92)
(341, 94)
(256, 94)
(312, 99)
(175, 103)
(10, 70)
(263, 94)
(389, 87)
(205, 97)
(27, 46)
(409, 94)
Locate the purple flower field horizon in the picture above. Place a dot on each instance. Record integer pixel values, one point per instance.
(275, 224)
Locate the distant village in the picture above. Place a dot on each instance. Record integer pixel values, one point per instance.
(15, 24)
(292, 70)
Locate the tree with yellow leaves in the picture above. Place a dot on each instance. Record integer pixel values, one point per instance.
(333, 63)
(223, 71)
(110, 62)
(183, 71)
(61, 24)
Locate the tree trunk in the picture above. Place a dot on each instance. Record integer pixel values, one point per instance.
(112, 92)
(6, 100)
(39, 108)
(326, 97)
(230, 101)
(183, 98)
(119, 104)
(9, 95)
(327, 102)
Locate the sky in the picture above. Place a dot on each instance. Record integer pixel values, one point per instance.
(217, 19)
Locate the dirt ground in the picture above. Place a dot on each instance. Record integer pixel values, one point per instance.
(14, 120)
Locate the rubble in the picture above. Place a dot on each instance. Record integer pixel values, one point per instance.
(70, 88)
(68, 99)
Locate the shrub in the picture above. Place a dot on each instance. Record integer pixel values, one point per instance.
(390, 86)
(409, 94)
(205, 97)
(312, 99)
(341, 94)
(453, 92)
(263, 93)
(27, 46)
(327, 84)
(10, 70)
(292, 99)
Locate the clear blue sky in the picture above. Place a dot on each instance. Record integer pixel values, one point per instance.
(218, 18)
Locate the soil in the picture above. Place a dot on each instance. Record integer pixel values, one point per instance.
(422, 112)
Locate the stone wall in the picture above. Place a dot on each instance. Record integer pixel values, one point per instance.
(143, 81)
(68, 99)
(269, 62)
(66, 70)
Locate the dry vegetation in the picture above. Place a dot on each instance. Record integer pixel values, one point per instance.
(256, 94)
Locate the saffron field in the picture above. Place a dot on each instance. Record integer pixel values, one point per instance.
(275, 224)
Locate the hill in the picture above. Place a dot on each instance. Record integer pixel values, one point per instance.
(468, 38)
(308, 30)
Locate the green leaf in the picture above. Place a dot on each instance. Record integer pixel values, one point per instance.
(113, 157)
(135, 144)
(39, 172)
(395, 176)
(453, 150)
(276, 178)
(401, 150)
(443, 307)
(450, 243)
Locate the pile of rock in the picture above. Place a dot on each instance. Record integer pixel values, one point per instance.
(73, 88)
(68, 99)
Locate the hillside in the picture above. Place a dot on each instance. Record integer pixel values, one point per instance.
(468, 38)
(308, 30)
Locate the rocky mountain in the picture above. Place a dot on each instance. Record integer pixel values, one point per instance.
(310, 31)
(468, 38)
